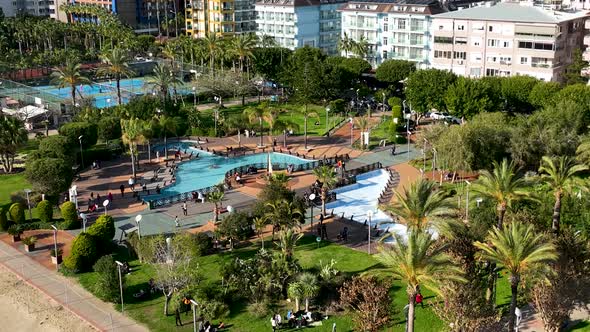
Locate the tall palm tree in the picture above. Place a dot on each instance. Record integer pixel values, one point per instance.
(521, 251)
(561, 175)
(259, 113)
(213, 44)
(295, 291)
(267, 41)
(284, 125)
(419, 261)
(419, 203)
(327, 176)
(167, 125)
(361, 47)
(12, 135)
(288, 241)
(117, 66)
(345, 44)
(216, 197)
(242, 46)
(162, 80)
(502, 186)
(283, 214)
(69, 76)
(132, 135)
(310, 288)
(259, 224)
(306, 115)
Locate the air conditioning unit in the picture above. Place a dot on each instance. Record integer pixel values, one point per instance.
(460, 62)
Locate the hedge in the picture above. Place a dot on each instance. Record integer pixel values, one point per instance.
(17, 213)
(4, 221)
(45, 211)
(70, 216)
(83, 254)
(74, 130)
(103, 231)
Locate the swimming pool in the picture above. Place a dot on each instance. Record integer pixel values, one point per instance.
(209, 169)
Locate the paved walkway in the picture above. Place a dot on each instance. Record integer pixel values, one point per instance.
(67, 292)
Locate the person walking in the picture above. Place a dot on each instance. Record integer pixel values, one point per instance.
(122, 188)
(176, 221)
(177, 315)
(110, 196)
(273, 323)
(184, 208)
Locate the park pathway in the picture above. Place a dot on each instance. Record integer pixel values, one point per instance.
(67, 293)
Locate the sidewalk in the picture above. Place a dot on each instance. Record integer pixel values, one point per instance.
(69, 294)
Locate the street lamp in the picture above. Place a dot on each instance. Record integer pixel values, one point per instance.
(195, 97)
(230, 209)
(168, 245)
(55, 244)
(119, 266)
(74, 195)
(467, 201)
(327, 111)
(81, 155)
(194, 305)
(311, 199)
(370, 215)
(138, 220)
(84, 220)
(478, 201)
(105, 204)
(351, 131)
(27, 192)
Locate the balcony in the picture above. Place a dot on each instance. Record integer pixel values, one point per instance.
(541, 65)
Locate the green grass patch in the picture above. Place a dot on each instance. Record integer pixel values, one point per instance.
(31, 145)
(10, 183)
(583, 326)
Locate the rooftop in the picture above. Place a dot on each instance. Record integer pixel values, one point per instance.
(514, 12)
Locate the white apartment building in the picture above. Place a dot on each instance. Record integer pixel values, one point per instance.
(298, 23)
(507, 39)
(393, 29)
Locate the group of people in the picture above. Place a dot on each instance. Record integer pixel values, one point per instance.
(96, 164)
(198, 196)
(95, 202)
(298, 319)
(250, 133)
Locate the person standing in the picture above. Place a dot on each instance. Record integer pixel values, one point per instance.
(273, 323)
(177, 316)
(122, 188)
(184, 208)
(420, 299)
(176, 221)
(110, 196)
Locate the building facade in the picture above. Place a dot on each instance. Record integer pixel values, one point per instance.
(507, 39)
(393, 29)
(222, 17)
(298, 23)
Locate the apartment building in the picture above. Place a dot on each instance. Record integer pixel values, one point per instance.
(222, 17)
(393, 29)
(297, 23)
(11, 8)
(507, 39)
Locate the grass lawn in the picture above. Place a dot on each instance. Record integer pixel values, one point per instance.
(10, 183)
(583, 326)
(150, 312)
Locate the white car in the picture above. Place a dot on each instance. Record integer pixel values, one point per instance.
(438, 115)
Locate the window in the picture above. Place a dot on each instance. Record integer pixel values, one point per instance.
(461, 27)
(544, 46)
(460, 55)
(443, 40)
(461, 40)
(401, 24)
(385, 27)
(440, 27)
(490, 28)
(493, 42)
(476, 72)
(505, 44)
(384, 41)
(384, 54)
(525, 44)
(492, 72)
(524, 60)
(442, 54)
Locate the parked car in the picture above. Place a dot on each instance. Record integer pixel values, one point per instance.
(438, 115)
(452, 120)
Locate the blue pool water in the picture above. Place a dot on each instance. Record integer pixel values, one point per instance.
(209, 169)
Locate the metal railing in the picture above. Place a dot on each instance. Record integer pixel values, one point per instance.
(365, 169)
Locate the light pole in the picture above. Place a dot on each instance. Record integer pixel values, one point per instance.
(84, 220)
(370, 215)
(168, 245)
(105, 204)
(433, 163)
(27, 192)
(327, 111)
(195, 97)
(55, 243)
(74, 195)
(478, 201)
(467, 201)
(138, 221)
(194, 305)
(311, 198)
(81, 155)
(119, 266)
(351, 131)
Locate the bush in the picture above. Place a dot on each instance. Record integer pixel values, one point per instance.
(17, 213)
(55, 147)
(70, 216)
(4, 221)
(203, 243)
(73, 130)
(106, 286)
(50, 176)
(83, 253)
(109, 128)
(259, 309)
(45, 211)
(396, 107)
(103, 231)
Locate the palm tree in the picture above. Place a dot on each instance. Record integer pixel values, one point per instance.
(521, 251)
(267, 41)
(167, 125)
(132, 135)
(213, 44)
(284, 125)
(502, 186)
(419, 203)
(583, 150)
(258, 113)
(69, 76)
(242, 46)
(327, 176)
(288, 241)
(560, 174)
(306, 115)
(12, 135)
(162, 80)
(216, 197)
(295, 291)
(310, 288)
(363, 124)
(117, 66)
(419, 261)
(260, 223)
(283, 214)
(361, 47)
(346, 44)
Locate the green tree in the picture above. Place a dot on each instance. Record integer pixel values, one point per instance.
(268, 61)
(5, 222)
(259, 113)
(17, 213)
(361, 47)
(426, 89)
(83, 253)
(216, 197)
(235, 226)
(573, 72)
(56, 146)
(307, 113)
(327, 176)
(103, 231)
(117, 66)
(69, 76)
(109, 128)
(45, 211)
(355, 66)
(283, 214)
(419, 261)
(516, 91)
(561, 174)
(310, 288)
(288, 241)
(107, 285)
(295, 292)
(522, 251)
(162, 80)
(12, 135)
(419, 204)
(133, 135)
(468, 97)
(394, 71)
(50, 176)
(73, 131)
(346, 44)
(543, 94)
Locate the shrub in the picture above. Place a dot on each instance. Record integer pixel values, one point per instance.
(55, 147)
(106, 286)
(14, 230)
(259, 309)
(45, 211)
(18, 196)
(103, 231)
(73, 130)
(396, 107)
(5, 223)
(203, 243)
(29, 240)
(109, 128)
(83, 253)
(50, 176)
(17, 213)
(70, 216)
